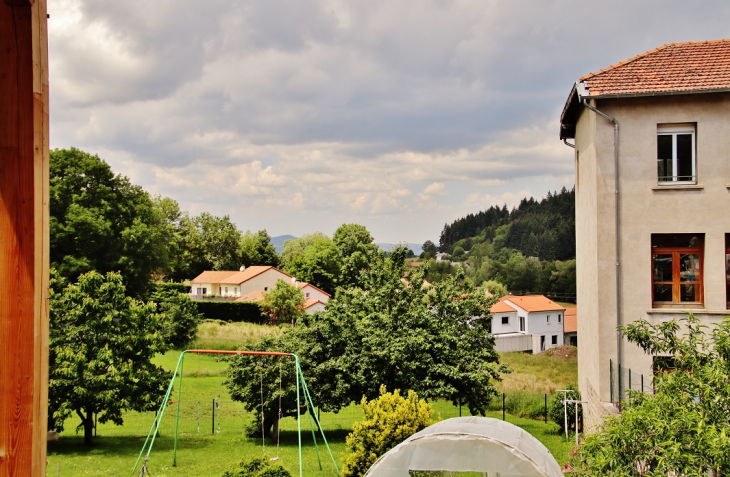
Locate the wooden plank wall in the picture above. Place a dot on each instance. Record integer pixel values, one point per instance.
(23, 237)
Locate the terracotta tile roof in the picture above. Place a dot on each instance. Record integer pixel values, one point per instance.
(674, 67)
(256, 295)
(233, 277)
(311, 302)
(210, 276)
(533, 303)
(304, 285)
(570, 324)
(501, 307)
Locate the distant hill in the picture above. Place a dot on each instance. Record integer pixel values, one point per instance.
(279, 240)
(387, 247)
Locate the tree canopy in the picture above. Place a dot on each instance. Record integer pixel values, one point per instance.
(101, 221)
(313, 258)
(391, 331)
(357, 251)
(284, 303)
(257, 249)
(100, 346)
(680, 429)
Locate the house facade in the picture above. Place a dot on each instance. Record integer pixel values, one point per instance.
(652, 180)
(527, 323)
(250, 284)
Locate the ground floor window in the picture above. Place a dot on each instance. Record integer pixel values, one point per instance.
(677, 263)
(555, 339)
(505, 320)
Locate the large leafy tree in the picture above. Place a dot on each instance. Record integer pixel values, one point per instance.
(313, 258)
(257, 249)
(101, 221)
(357, 251)
(683, 427)
(100, 346)
(283, 303)
(390, 331)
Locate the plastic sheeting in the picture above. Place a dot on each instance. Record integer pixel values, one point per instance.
(469, 444)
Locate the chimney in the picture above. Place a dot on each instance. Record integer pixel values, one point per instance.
(243, 267)
(293, 280)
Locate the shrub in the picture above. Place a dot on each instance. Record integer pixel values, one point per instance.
(389, 420)
(556, 410)
(181, 320)
(162, 290)
(256, 467)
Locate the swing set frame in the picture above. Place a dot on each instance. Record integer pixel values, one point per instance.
(300, 382)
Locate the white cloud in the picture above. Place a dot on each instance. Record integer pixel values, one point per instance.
(306, 114)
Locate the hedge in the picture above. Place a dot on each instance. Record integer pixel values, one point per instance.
(237, 311)
(170, 287)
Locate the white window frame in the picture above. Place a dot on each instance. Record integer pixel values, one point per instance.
(673, 130)
(548, 319)
(503, 318)
(560, 318)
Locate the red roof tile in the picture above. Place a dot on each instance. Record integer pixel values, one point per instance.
(570, 325)
(674, 67)
(534, 303)
(501, 307)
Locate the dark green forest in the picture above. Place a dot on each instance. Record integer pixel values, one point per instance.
(529, 249)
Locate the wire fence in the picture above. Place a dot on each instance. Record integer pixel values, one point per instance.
(625, 379)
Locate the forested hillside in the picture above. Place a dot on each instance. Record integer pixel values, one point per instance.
(530, 249)
(544, 229)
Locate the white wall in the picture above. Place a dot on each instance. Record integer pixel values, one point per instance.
(264, 281)
(499, 328)
(311, 293)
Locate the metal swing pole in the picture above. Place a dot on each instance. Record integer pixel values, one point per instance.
(177, 416)
(324, 438)
(158, 419)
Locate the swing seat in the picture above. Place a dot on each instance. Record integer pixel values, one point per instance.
(274, 459)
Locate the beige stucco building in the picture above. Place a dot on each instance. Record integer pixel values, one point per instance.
(652, 166)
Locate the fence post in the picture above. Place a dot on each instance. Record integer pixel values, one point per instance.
(503, 409)
(642, 383)
(620, 388)
(629, 378)
(610, 374)
(212, 422)
(545, 408)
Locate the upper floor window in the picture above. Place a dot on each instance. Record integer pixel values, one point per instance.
(505, 320)
(677, 261)
(676, 162)
(548, 319)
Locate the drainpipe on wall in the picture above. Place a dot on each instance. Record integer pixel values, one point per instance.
(584, 101)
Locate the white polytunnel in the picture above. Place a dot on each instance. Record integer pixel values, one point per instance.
(469, 444)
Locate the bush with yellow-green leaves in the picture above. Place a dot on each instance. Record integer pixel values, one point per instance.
(389, 420)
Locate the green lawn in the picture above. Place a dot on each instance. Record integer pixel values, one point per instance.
(202, 451)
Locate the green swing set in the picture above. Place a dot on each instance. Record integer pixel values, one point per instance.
(300, 382)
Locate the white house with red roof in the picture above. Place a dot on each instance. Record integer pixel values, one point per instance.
(527, 323)
(250, 284)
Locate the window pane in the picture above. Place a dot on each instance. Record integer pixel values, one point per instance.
(664, 146)
(662, 268)
(663, 293)
(689, 293)
(664, 158)
(689, 267)
(684, 157)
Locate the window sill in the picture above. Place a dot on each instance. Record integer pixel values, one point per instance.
(674, 310)
(680, 187)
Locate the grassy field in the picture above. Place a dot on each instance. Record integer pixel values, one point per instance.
(204, 451)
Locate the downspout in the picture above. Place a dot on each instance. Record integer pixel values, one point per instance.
(616, 225)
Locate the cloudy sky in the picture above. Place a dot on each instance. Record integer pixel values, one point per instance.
(297, 116)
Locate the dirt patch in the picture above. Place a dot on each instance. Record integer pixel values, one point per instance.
(562, 352)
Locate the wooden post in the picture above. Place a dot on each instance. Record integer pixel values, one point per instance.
(24, 242)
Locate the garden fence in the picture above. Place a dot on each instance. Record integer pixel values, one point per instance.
(624, 379)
